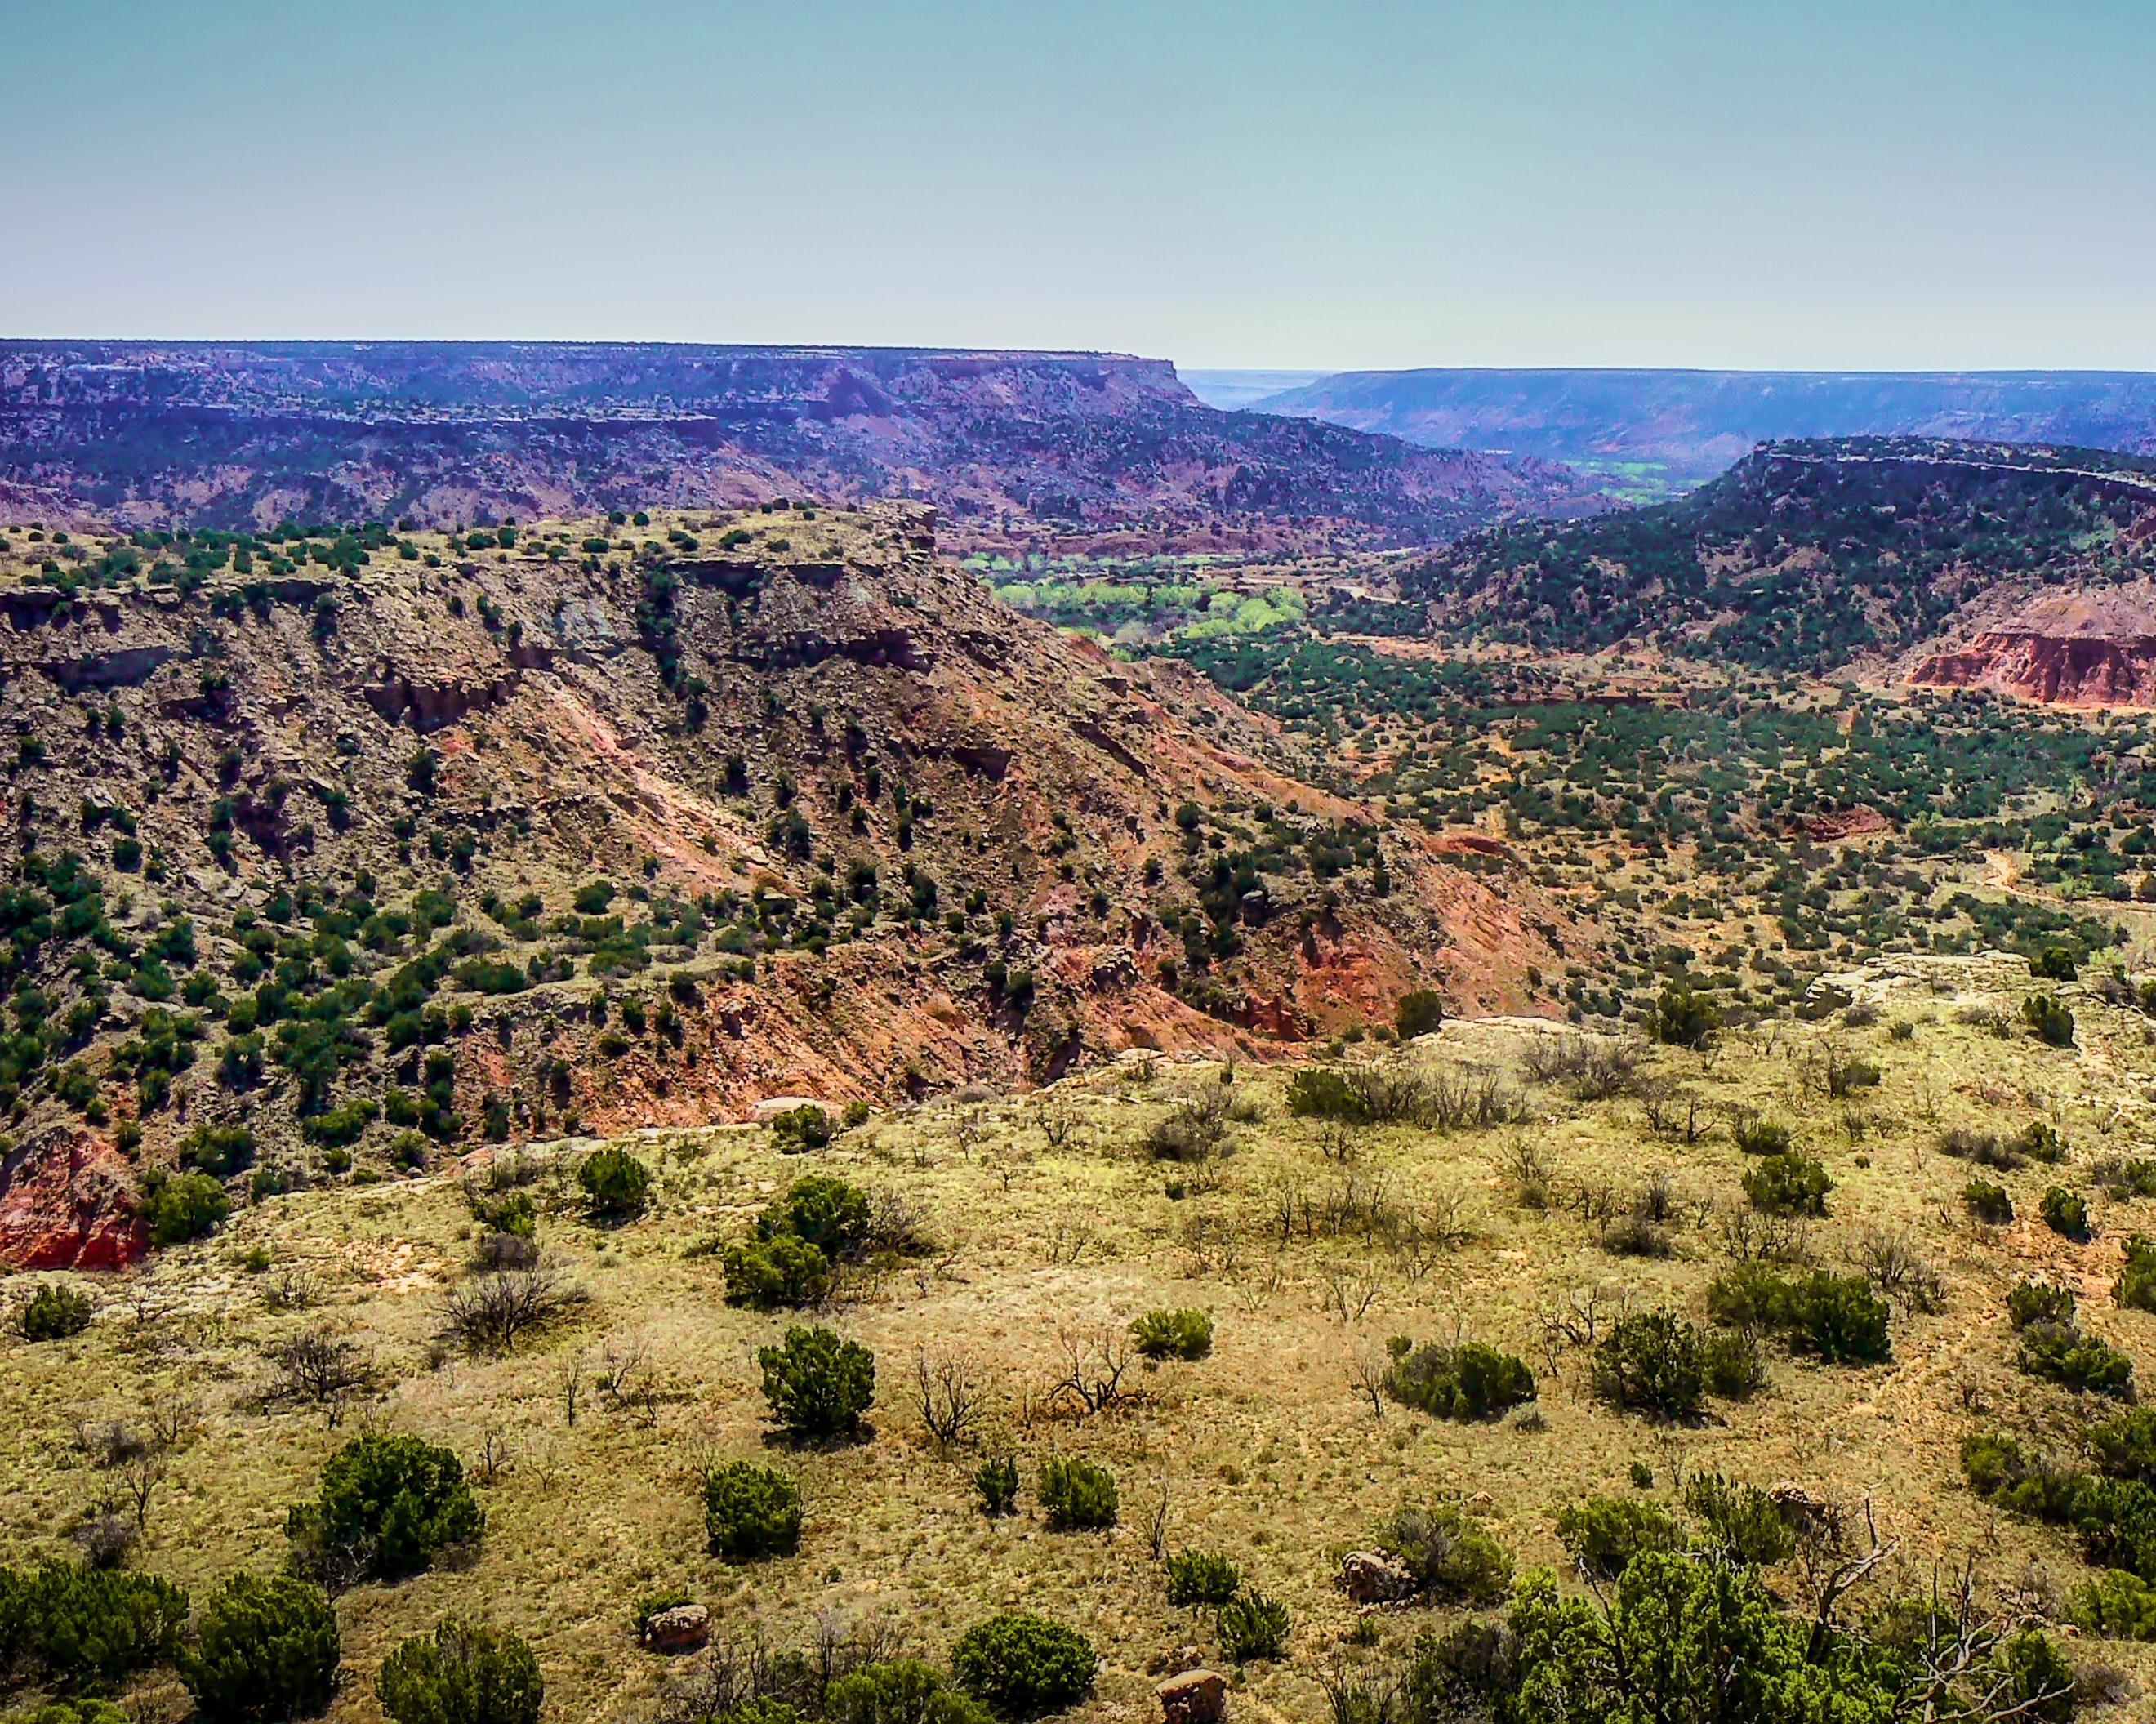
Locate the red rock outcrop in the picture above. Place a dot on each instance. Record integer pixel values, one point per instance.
(65, 1202)
(2073, 648)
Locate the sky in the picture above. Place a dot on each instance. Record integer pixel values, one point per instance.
(1333, 185)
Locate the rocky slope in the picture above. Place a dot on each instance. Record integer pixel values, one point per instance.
(2072, 649)
(377, 847)
(1807, 555)
(1677, 428)
(1012, 447)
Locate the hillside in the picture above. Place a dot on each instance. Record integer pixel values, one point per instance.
(1805, 556)
(360, 849)
(1012, 448)
(1655, 431)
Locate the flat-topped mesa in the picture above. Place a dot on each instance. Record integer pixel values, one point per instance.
(2081, 649)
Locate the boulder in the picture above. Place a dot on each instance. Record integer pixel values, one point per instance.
(1194, 1697)
(772, 1106)
(683, 1629)
(1372, 1578)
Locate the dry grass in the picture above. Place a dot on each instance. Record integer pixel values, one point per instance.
(1053, 1230)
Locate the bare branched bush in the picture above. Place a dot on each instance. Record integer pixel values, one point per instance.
(948, 1395)
(487, 1313)
(1091, 1378)
(1349, 1290)
(317, 1368)
(1057, 1117)
(1531, 1169)
(1894, 1266)
(1672, 1110)
(1750, 1236)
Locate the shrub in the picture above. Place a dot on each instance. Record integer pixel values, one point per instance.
(2125, 1447)
(1603, 1533)
(828, 1213)
(1021, 1666)
(2066, 1212)
(783, 1271)
(2040, 1141)
(817, 1385)
(1988, 1203)
(1469, 1382)
(1253, 1625)
(1735, 1369)
(1451, 1555)
(615, 1184)
(2135, 1290)
(2075, 1360)
(1789, 1184)
(900, 1692)
(2117, 1604)
(1173, 1334)
(265, 1648)
(803, 1128)
(996, 1482)
(1323, 1092)
(1202, 1578)
(1757, 1135)
(1077, 1495)
(2038, 1680)
(2050, 1019)
(460, 1673)
(221, 1151)
(389, 1506)
(1651, 1363)
(54, 1311)
(751, 1510)
(1999, 1471)
(72, 1627)
(1840, 1318)
(1747, 1295)
(1685, 1020)
(180, 1207)
(1742, 1519)
(1419, 1013)
(2031, 1302)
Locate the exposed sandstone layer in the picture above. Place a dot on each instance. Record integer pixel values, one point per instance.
(2083, 648)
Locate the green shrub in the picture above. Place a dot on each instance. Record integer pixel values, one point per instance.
(2135, 1289)
(2117, 1604)
(817, 1385)
(2074, 1360)
(1323, 1092)
(616, 1185)
(996, 1483)
(1743, 1520)
(1757, 1135)
(53, 1312)
(2040, 1141)
(1253, 1625)
(1603, 1533)
(1685, 1020)
(1077, 1493)
(2125, 1446)
(2031, 1302)
(2050, 1019)
(1651, 1363)
(751, 1510)
(389, 1506)
(1202, 1578)
(900, 1692)
(1840, 1318)
(1021, 1665)
(341, 1126)
(1419, 1013)
(221, 1151)
(1735, 1369)
(1988, 1203)
(828, 1213)
(2066, 1212)
(70, 1628)
(460, 1673)
(2038, 1680)
(1999, 1471)
(801, 1129)
(265, 1648)
(783, 1271)
(1451, 1555)
(1469, 1382)
(1173, 1334)
(1748, 1296)
(1790, 1184)
(176, 1208)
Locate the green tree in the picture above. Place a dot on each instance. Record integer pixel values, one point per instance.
(460, 1673)
(266, 1648)
(817, 1385)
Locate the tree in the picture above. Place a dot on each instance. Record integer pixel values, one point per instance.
(389, 1506)
(460, 1673)
(1419, 1013)
(817, 1385)
(266, 1648)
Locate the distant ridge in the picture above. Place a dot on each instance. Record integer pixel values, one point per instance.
(1656, 432)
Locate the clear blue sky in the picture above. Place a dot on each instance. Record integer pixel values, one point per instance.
(1338, 183)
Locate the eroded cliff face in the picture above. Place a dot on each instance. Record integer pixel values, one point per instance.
(866, 834)
(2084, 649)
